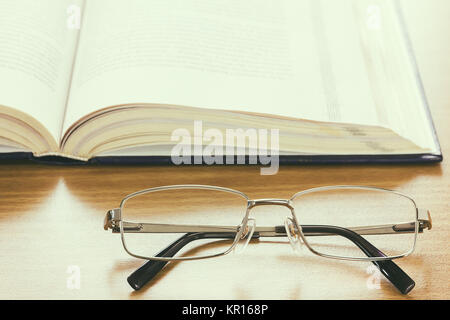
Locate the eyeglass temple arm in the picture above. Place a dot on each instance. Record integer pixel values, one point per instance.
(150, 269)
(111, 222)
(387, 267)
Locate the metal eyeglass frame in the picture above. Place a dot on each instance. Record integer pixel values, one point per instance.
(113, 220)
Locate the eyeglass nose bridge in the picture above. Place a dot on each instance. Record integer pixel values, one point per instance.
(270, 202)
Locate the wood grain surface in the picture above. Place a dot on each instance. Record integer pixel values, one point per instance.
(51, 217)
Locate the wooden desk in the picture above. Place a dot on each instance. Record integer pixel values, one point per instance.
(51, 217)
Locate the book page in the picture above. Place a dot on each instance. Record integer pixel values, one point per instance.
(36, 55)
(341, 61)
(394, 79)
(270, 56)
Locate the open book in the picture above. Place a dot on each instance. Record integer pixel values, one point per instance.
(336, 77)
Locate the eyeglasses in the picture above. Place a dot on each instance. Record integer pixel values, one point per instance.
(196, 222)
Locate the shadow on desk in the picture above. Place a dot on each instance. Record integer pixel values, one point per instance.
(104, 187)
(24, 186)
(304, 269)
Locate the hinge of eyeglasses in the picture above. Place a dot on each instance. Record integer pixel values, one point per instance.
(424, 223)
(111, 221)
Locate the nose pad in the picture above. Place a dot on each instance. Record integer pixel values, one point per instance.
(293, 234)
(246, 236)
